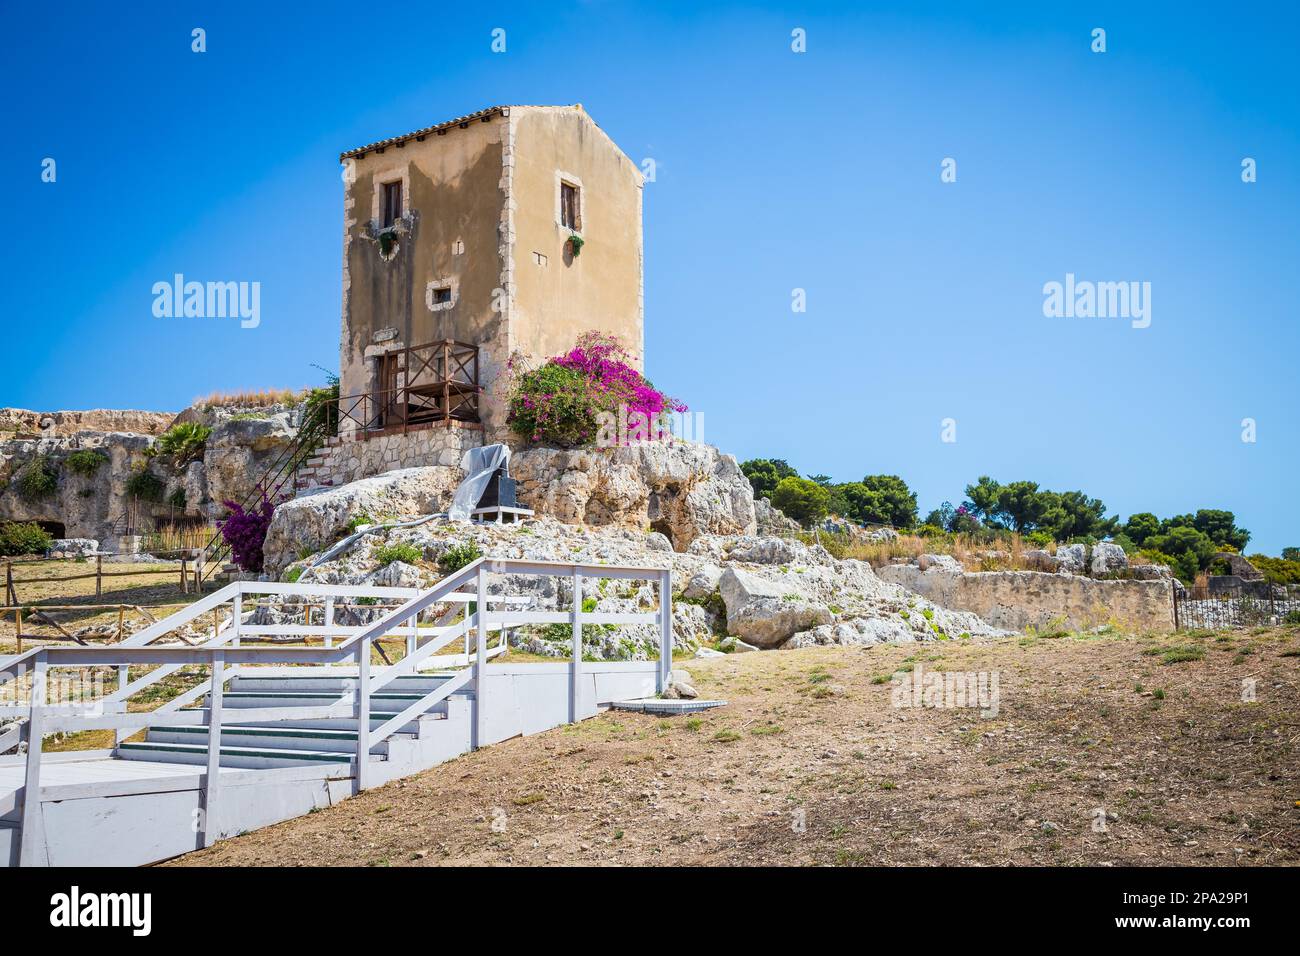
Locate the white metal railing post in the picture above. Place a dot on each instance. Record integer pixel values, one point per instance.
(665, 629)
(31, 847)
(480, 659)
(211, 780)
(237, 612)
(575, 676)
(123, 678)
(363, 713)
(329, 620)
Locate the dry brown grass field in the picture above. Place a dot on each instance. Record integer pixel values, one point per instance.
(1107, 749)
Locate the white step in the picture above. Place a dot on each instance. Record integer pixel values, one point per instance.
(283, 737)
(259, 758)
(383, 700)
(420, 727)
(279, 683)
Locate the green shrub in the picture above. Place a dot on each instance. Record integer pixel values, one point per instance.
(177, 499)
(293, 574)
(24, 537)
(386, 554)
(39, 479)
(803, 500)
(85, 462)
(566, 416)
(457, 556)
(184, 441)
(145, 485)
(1277, 570)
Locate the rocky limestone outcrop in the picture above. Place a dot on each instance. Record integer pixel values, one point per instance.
(319, 517)
(94, 504)
(89, 505)
(682, 490)
(720, 601)
(22, 423)
(771, 520)
(239, 451)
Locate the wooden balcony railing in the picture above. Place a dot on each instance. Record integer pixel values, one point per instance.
(437, 383)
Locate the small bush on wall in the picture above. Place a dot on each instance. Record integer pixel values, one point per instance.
(85, 462)
(184, 442)
(39, 479)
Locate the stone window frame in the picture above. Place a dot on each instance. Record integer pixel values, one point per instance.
(442, 282)
(561, 178)
(394, 172)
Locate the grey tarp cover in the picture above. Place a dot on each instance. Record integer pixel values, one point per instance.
(478, 465)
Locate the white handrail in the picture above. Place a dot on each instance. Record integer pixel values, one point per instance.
(225, 660)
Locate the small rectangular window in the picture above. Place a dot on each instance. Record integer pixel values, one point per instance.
(569, 206)
(392, 208)
(441, 295)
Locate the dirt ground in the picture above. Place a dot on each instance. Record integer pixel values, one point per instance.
(1105, 750)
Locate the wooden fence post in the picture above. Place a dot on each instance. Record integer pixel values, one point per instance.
(99, 574)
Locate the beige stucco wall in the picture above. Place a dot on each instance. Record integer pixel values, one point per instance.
(601, 288)
(483, 216)
(1019, 599)
(454, 184)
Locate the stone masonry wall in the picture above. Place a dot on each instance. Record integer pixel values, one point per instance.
(351, 459)
(1019, 599)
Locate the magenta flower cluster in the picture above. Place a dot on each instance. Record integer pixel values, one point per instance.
(560, 402)
(601, 359)
(245, 532)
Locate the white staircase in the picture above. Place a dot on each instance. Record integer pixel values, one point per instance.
(272, 732)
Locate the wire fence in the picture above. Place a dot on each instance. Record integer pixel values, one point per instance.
(1256, 605)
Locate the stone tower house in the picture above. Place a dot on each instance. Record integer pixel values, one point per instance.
(463, 233)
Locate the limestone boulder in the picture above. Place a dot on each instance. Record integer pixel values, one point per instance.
(754, 550)
(1108, 557)
(1071, 558)
(1040, 560)
(766, 613)
(939, 562)
(316, 518)
(682, 490)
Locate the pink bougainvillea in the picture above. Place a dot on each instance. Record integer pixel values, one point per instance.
(560, 402)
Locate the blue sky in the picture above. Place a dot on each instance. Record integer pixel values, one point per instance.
(775, 171)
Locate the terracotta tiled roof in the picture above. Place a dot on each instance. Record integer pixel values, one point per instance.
(483, 115)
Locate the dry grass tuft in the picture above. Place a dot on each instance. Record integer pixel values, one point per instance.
(252, 398)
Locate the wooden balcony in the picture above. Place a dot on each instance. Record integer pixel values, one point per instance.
(421, 386)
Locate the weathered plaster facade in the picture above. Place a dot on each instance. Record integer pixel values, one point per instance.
(480, 255)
